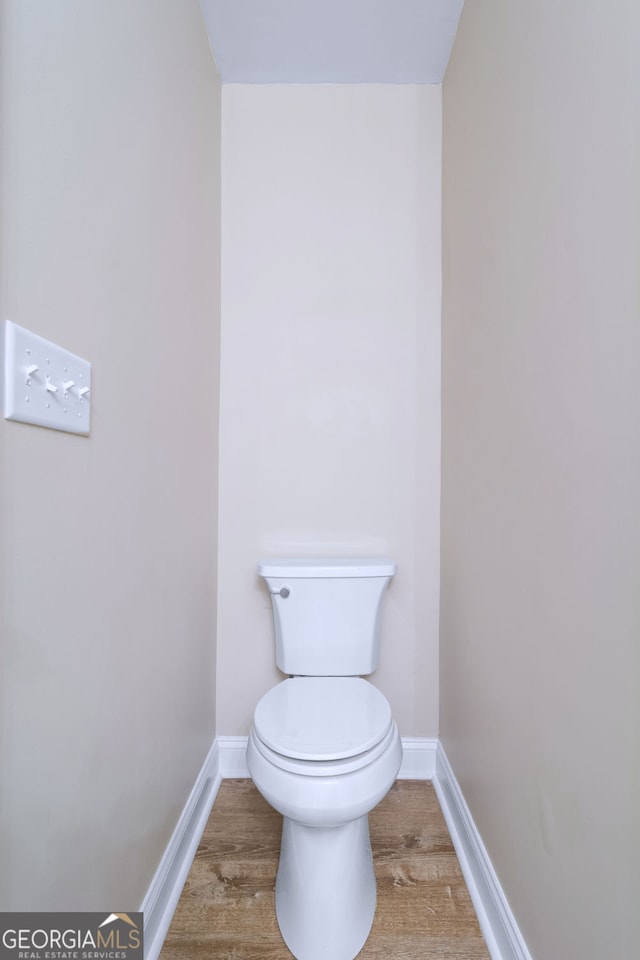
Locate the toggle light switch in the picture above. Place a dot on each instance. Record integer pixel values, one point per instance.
(46, 402)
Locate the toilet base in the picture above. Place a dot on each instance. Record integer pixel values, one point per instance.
(325, 889)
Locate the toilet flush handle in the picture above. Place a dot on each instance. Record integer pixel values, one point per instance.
(282, 592)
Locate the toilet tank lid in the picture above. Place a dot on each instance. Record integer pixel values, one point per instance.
(292, 568)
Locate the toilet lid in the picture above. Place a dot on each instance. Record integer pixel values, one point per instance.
(322, 718)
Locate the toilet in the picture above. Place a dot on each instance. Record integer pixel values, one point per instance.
(324, 748)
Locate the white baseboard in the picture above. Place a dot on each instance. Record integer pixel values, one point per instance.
(498, 925)
(164, 892)
(423, 759)
(418, 759)
(233, 757)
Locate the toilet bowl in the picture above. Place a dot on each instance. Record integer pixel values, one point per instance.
(323, 751)
(324, 748)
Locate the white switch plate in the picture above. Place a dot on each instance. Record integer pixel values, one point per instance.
(43, 383)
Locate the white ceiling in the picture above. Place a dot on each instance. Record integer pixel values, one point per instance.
(331, 41)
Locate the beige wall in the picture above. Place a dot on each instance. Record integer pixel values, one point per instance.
(540, 660)
(329, 437)
(110, 246)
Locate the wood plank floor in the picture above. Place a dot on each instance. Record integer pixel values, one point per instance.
(227, 906)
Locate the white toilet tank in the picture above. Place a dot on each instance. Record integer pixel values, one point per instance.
(326, 613)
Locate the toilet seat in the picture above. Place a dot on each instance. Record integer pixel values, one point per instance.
(324, 768)
(319, 726)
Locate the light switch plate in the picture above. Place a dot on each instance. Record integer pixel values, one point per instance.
(43, 383)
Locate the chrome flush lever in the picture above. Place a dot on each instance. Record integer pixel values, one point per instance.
(282, 592)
